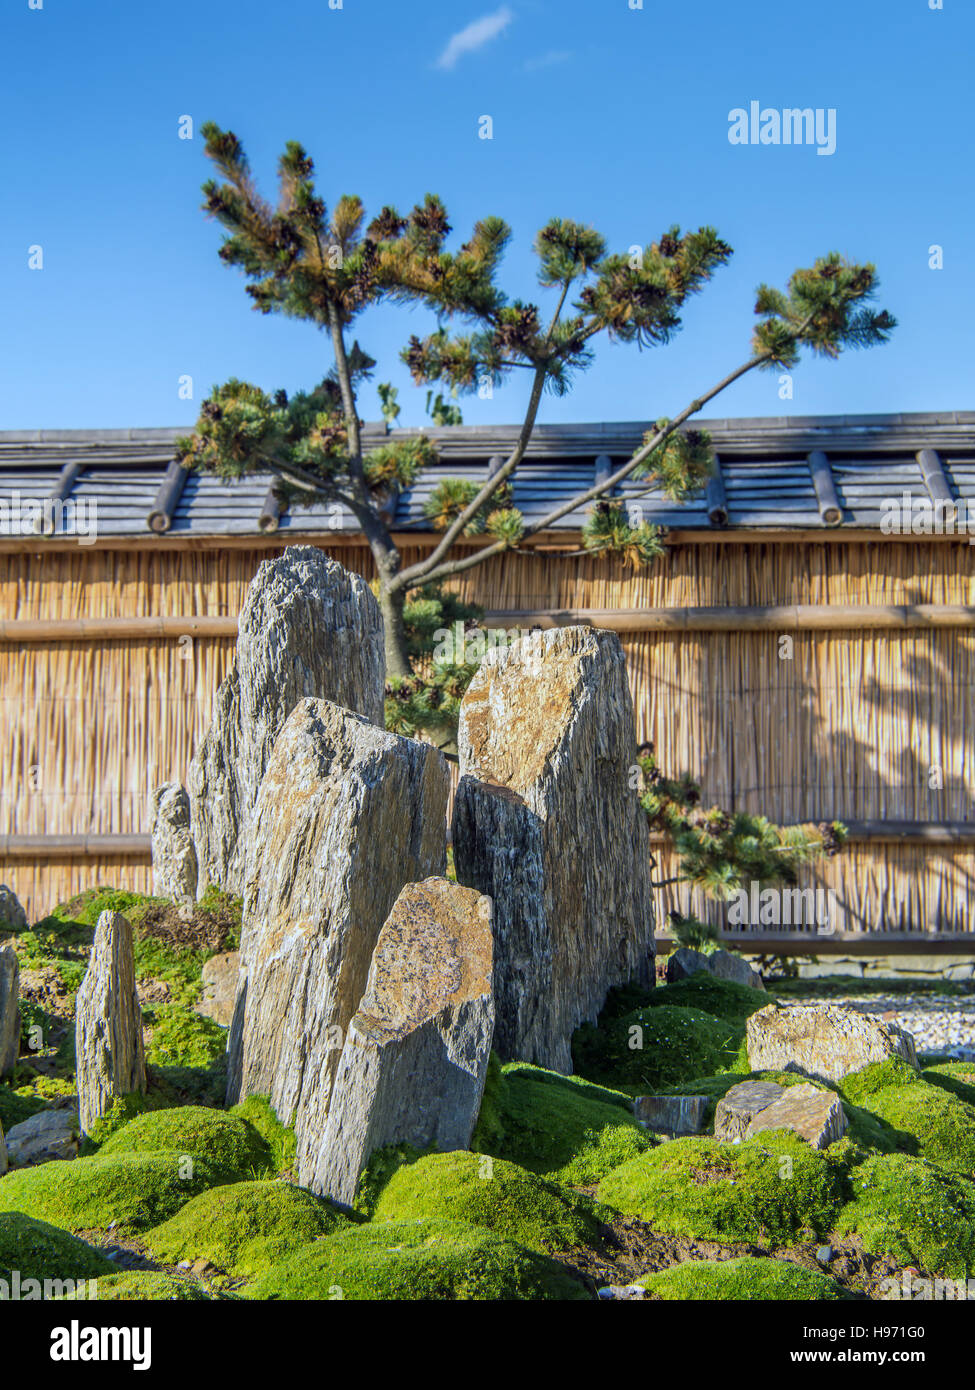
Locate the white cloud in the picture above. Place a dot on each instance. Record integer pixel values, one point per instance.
(475, 36)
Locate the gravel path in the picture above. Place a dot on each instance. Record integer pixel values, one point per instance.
(940, 1023)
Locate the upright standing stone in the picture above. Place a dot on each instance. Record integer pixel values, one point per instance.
(347, 814)
(415, 1057)
(12, 914)
(4, 1164)
(174, 864)
(547, 824)
(9, 1010)
(108, 1023)
(307, 628)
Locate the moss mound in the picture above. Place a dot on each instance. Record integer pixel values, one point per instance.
(231, 1145)
(139, 1286)
(489, 1192)
(655, 1047)
(135, 1190)
(550, 1125)
(915, 1211)
(956, 1077)
(774, 1188)
(432, 1259)
(280, 1138)
(40, 1251)
(15, 1108)
(182, 1038)
(745, 1278)
(923, 1119)
(245, 1228)
(725, 999)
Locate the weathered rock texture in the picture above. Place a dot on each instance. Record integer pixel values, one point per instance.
(174, 864)
(347, 814)
(50, 1134)
(415, 1057)
(671, 1114)
(307, 628)
(108, 1023)
(827, 1041)
(816, 1116)
(738, 1107)
(219, 979)
(3, 1153)
(9, 1009)
(723, 965)
(547, 825)
(12, 914)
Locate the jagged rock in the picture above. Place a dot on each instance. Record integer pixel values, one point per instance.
(50, 1134)
(12, 915)
(738, 1107)
(825, 1041)
(347, 814)
(307, 628)
(9, 1009)
(219, 979)
(816, 1116)
(108, 1023)
(547, 824)
(724, 965)
(3, 1153)
(174, 865)
(415, 1057)
(673, 1115)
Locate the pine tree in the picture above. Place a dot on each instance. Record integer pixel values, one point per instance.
(326, 269)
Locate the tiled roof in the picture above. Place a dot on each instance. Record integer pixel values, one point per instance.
(773, 474)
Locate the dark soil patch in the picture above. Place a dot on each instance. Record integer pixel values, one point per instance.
(198, 931)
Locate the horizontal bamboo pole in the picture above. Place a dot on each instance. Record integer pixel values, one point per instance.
(74, 846)
(776, 618)
(880, 943)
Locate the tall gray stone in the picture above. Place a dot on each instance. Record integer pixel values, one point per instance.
(174, 863)
(9, 1009)
(308, 627)
(4, 1163)
(13, 918)
(108, 1023)
(416, 1053)
(547, 824)
(347, 814)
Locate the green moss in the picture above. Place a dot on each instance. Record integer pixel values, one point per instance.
(133, 1190)
(956, 1077)
(489, 1192)
(725, 999)
(383, 1163)
(120, 1112)
(41, 1251)
(145, 1286)
(878, 1076)
(182, 1038)
(774, 1188)
(748, 1277)
(246, 1227)
(428, 1260)
(232, 1146)
(914, 1211)
(552, 1127)
(16, 1107)
(921, 1118)
(574, 1085)
(280, 1138)
(655, 1047)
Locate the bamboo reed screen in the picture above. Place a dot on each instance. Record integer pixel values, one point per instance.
(805, 726)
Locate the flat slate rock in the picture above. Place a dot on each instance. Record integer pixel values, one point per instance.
(671, 1114)
(50, 1134)
(739, 1106)
(816, 1116)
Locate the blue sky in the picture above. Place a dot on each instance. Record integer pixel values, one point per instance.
(612, 115)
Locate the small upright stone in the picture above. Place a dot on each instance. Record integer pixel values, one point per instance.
(815, 1115)
(9, 1009)
(12, 915)
(174, 864)
(673, 1115)
(347, 815)
(548, 825)
(108, 1023)
(824, 1041)
(219, 980)
(308, 627)
(416, 1053)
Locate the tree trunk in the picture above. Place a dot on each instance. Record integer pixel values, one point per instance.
(391, 604)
